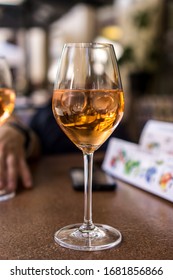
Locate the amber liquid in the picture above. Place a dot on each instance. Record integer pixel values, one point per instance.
(7, 102)
(88, 117)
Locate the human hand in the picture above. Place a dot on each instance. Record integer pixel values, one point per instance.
(13, 163)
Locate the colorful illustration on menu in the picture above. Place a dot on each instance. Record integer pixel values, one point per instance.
(134, 167)
(121, 157)
(123, 163)
(130, 165)
(150, 172)
(152, 146)
(166, 181)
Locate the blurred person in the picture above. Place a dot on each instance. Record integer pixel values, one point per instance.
(17, 144)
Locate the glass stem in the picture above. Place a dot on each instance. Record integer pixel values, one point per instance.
(88, 174)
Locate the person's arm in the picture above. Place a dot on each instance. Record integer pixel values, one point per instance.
(17, 144)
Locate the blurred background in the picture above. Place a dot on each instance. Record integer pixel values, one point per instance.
(32, 33)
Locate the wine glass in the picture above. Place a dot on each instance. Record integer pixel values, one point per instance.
(88, 104)
(7, 103)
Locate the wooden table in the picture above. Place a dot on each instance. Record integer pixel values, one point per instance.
(29, 221)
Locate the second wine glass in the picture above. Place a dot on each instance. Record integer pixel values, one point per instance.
(7, 103)
(88, 104)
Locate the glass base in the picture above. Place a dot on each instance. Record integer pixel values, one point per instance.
(101, 237)
(5, 196)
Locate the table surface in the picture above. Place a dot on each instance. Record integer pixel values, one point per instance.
(28, 221)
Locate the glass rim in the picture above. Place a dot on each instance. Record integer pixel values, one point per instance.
(88, 45)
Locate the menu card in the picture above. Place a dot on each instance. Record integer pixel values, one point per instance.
(147, 165)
